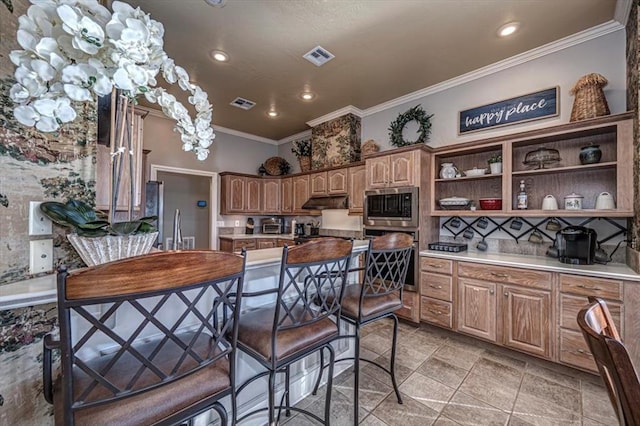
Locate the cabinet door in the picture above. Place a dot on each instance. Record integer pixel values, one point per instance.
(318, 183)
(338, 180)
(271, 196)
(357, 181)
(402, 169)
(233, 194)
(526, 320)
(226, 245)
(410, 306)
(264, 243)
(286, 191)
(253, 190)
(377, 172)
(477, 308)
(103, 172)
(300, 190)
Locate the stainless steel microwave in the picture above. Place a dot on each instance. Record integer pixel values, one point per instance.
(392, 207)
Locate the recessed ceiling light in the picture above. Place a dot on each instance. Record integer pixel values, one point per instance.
(219, 56)
(508, 29)
(216, 3)
(272, 114)
(307, 96)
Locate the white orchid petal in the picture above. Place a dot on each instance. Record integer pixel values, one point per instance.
(45, 71)
(46, 46)
(66, 114)
(26, 115)
(69, 18)
(18, 93)
(47, 124)
(103, 85)
(77, 93)
(45, 107)
(26, 40)
(202, 154)
(19, 57)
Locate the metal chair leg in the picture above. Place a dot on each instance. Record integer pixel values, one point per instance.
(393, 359)
(315, 388)
(356, 375)
(327, 402)
(287, 374)
(272, 397)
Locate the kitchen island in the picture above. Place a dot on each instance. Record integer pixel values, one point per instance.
(527, 303)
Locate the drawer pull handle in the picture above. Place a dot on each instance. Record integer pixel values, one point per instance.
(506, 294)
(436, 312)
(435, 286)
(589, 287)
(436, 266)
(583, 352)
(491, 292)
(499, 275)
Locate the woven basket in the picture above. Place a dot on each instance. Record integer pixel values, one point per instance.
(273, 165)
(305, 163)
(589, 99)
(98, 250)
(369, 147)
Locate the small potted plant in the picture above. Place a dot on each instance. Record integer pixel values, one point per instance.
(302, 151)
(495, 163)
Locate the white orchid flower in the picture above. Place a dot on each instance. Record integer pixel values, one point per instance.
(45, 71)
(26, 115)
(18, 93)
(47, 124)
(29, 79)
(88, 36)
(20, 57)
(202, 154)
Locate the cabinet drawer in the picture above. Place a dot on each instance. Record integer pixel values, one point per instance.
(523, 277)
(571, 305)
(248, 244)
(266, 243)
(436, 312)
(441, 266)
(436, 285)
(589, 286)
(574, 350)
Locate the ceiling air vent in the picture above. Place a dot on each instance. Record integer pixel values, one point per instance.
(243, 103)
(318, 56)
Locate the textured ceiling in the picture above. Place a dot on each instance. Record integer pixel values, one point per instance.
(384, 49)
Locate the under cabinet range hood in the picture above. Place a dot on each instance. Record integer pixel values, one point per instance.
(322, 202)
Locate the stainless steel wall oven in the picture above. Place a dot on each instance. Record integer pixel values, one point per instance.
(391, 207)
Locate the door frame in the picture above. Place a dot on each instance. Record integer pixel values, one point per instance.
(213, 191)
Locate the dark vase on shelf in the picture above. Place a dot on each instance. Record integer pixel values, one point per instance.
(590, 154)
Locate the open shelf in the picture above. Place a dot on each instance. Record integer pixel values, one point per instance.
(566, 169)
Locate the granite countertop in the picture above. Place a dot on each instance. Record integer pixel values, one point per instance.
(611, 270)
(250, 236)
(41, 290)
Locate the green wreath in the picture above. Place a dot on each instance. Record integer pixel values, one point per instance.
(414, 114)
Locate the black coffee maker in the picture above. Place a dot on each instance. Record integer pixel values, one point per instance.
(576, 245)
(299, 231)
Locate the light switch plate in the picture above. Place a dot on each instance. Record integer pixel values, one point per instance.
(40, 256)
(39, 224)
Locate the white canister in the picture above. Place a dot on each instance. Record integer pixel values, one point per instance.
(573, 201)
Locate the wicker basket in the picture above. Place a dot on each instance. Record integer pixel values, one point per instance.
(274, 166)
(305, 163)
(369, 147)
(98, 250)
(589, 99)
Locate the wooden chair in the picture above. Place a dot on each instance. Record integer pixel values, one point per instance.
(377, 297)
(612, 359)
(144, 340)
(293, 327)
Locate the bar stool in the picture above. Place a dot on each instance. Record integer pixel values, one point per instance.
(144, 340)
(378, 297)
(293, 327)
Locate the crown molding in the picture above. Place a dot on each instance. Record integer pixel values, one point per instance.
(547, 49)
(623, 9)
(157, 113)
(301, 135)
(349, 109)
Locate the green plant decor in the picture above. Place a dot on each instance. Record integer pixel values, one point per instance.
(301, 148)
(86, 221)
(497, 158)
(417, 113)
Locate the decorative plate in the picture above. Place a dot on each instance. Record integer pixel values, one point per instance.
(276, 166)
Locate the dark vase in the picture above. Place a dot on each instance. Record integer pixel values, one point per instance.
(590, 154)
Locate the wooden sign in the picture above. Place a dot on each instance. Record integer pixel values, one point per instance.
(533, 106)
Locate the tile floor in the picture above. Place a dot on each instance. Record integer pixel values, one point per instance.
(449, 379)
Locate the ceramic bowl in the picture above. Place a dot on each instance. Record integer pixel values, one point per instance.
(491, 203)
(475, 172)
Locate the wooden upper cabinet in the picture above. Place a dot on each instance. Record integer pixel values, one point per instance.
(103, 171)
(338, 181)
(392, 170)
(300, 191)
(357, 182)
(402, 169)
(319, 184)
(271, 196)
(232, 193)
(286, 192)
(377, 172)
(253, 191)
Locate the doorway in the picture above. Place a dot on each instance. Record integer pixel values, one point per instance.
(194, 193)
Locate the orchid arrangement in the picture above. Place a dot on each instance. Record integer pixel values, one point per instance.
(75, 50)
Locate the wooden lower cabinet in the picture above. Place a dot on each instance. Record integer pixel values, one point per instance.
(477, 308)
(232, 246)
(436, 312)
(526, 320)
(263, 243)
(410, 306)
